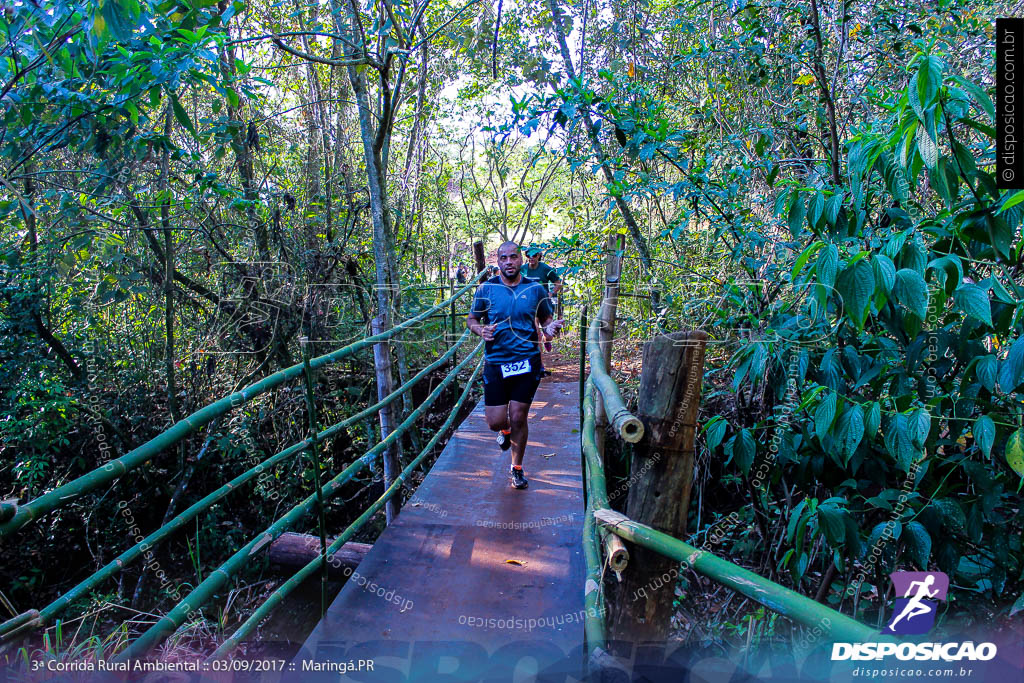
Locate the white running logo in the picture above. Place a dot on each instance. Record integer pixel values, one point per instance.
(915, 607)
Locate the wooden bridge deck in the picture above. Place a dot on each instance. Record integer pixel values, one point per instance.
(474, 579)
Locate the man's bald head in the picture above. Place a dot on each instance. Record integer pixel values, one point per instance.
(507, 248)
(509, 261)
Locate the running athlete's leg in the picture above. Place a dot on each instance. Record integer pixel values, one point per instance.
(496, 399)
(518, 412)
(497, 417)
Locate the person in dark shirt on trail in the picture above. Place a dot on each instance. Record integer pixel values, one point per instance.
(538, 270)
(505, 313)
(543, 273)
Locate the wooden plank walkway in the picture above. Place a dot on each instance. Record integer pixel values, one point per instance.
(474, 579)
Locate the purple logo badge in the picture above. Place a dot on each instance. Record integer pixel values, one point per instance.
(917, 602)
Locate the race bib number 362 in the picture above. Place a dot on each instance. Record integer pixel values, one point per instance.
(517, 368)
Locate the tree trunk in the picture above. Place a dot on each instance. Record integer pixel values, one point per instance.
(595, 144)
(382, 370)
(243, 152)
(294, 551)
(29, 214)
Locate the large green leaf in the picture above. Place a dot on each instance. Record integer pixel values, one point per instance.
(952, 514)
(850, 431)
(805, 256)
(985, 434)
(856, 284)
(745, 449)
(974, 301)
(182, 116)
(827, 265)
(929, 78)
(919, 423)
(899, 440)
(1010, 201)
(796, 213)
(919, 544)
(979, 95)
(1015, 452)
(885, 272)
(714, 431)
(911, 291)
(872, 420)
(927, 147)
(1011, 369)
(824, 414)
(830, 521)
(987, 369)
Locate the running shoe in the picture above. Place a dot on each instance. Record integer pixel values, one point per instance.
(504, 440)
(518, 480)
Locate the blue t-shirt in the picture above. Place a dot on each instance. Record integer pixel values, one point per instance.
(513, 309)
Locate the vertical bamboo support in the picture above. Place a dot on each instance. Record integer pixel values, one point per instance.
(451, 328)
(479, 260)
(606, 314)
(389, 459)
(662, 474)
(314, 452)
(581, 390)
(583, 358)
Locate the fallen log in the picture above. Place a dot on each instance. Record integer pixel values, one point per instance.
(293, 550)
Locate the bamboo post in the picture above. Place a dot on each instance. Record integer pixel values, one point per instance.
(661, 474)
(583, 358)
(628, 427)
(606, 315)
(597, 488)
(382, 369)
(452, 337)
(479, 260)
(314, 453)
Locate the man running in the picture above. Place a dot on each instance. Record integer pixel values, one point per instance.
(511, 305)
(538, 270)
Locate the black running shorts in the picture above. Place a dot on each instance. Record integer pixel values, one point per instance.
(499, 390)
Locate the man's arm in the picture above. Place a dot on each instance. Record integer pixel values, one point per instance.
(486, 332)
(548, 325)
(477, 311)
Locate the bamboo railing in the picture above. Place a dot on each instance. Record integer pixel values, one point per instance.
(136, 457)
(18, 516)
(216, 580)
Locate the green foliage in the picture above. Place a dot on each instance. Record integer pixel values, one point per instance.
(869, 316)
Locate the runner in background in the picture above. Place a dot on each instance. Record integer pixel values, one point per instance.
(536, 269)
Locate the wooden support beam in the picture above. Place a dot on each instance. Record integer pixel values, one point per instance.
(479, 260)
(662, 474)
(295, 551)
